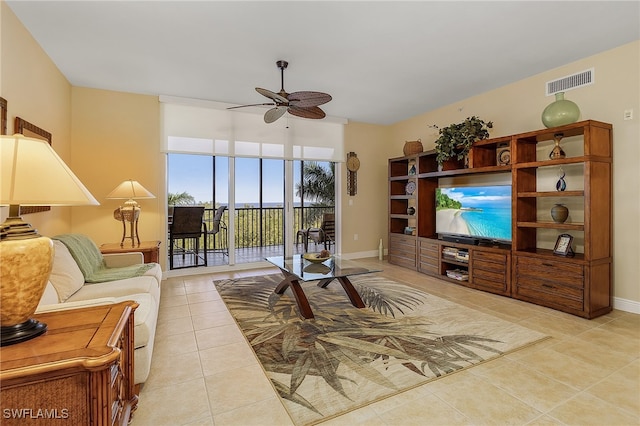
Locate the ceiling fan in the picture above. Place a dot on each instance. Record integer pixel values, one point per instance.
(301, 104)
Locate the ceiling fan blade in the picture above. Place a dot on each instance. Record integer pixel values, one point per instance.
(272, 95)
(311, 112)
(250, 105)
(308, 99)
(274, 113)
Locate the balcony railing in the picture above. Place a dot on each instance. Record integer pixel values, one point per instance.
(263, 226)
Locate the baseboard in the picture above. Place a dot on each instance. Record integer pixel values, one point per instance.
(361, 254)
(626, 305)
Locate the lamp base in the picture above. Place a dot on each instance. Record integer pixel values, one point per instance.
(22, 332)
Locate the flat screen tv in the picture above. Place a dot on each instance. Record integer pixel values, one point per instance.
(482, 212)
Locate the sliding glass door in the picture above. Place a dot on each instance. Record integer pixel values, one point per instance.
(270, 203)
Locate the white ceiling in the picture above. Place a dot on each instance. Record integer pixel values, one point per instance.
(381, 61)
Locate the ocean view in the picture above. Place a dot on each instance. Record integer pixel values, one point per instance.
(490, 222)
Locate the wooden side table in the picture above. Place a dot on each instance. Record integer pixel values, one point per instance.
(149, 249)
(79, 372)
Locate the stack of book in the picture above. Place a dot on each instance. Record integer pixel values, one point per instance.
(463, 256)
(458, 274)
(452, 253)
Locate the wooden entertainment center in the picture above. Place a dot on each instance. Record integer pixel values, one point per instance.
(528, 269)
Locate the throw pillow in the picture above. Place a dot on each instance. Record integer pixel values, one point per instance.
(66, 277)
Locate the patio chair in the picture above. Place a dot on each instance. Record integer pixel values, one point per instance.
(187, 227)
(326, 234)
(219, 228)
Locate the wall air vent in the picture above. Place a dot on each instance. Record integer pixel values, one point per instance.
(570, 82)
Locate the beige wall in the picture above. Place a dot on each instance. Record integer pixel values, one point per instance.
(37, 92)
(366, 216)
(115, 136)
(517, 108)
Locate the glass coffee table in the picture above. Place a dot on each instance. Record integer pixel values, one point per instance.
(296, 269)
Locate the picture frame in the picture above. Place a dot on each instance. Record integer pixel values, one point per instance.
(30, 130)
(3, 116)
(563, 245)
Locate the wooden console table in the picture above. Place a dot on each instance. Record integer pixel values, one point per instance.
(149, 249)
(79, 372)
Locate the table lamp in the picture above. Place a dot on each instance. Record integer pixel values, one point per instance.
(31, 174)
(129, 190)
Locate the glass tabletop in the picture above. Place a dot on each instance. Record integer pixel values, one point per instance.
(305, 270)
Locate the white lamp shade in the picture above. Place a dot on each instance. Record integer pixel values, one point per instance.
(130, 189)
(32, 174)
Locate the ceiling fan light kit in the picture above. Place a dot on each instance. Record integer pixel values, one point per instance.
(301, 104)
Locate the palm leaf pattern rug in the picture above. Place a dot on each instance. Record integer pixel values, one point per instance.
(347, 357)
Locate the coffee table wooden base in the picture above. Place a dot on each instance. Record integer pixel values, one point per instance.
(301, 299)
(291, 281)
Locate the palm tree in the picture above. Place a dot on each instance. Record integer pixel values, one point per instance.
(182, 198)
(318, 185)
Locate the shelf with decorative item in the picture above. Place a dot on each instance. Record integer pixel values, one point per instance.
(552, 225)
(399, 167)
(543, 253)
(559, 162)
(470, 171)
(536, 194)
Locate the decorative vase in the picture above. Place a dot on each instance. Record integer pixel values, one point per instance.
(412, 147)
(560, 112)
(559, 213)
(561, 185)
(411, 211)
(557, 152)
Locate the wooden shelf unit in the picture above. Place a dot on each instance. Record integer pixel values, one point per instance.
(528, 269)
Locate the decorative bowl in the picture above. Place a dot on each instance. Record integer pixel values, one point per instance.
(313, 257)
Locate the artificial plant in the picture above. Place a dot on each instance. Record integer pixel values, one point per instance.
(456, 140)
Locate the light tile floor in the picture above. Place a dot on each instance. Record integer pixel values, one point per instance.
(204, 373)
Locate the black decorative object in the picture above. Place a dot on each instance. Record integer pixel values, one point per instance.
(561, 185)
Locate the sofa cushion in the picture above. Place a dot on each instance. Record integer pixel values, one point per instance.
(50, 295)
(65, 276)
(145, 317)
(155, 271)
(119, 288)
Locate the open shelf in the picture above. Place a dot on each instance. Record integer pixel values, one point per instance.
(527, 269)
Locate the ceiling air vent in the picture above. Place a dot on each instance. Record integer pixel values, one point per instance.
(570, 82)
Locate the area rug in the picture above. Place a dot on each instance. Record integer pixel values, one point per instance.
(347, 357)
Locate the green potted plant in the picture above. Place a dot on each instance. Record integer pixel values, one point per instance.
(456, 140)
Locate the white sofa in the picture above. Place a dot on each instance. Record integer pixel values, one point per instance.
(67, 289)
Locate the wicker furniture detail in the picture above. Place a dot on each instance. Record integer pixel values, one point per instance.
(79, 372)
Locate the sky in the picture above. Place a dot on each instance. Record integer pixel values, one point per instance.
(194, 174)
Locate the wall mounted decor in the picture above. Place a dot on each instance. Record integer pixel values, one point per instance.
(32, 131)
(353, 164)
(3, 116)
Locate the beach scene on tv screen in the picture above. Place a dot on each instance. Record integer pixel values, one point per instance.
(479, 211)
